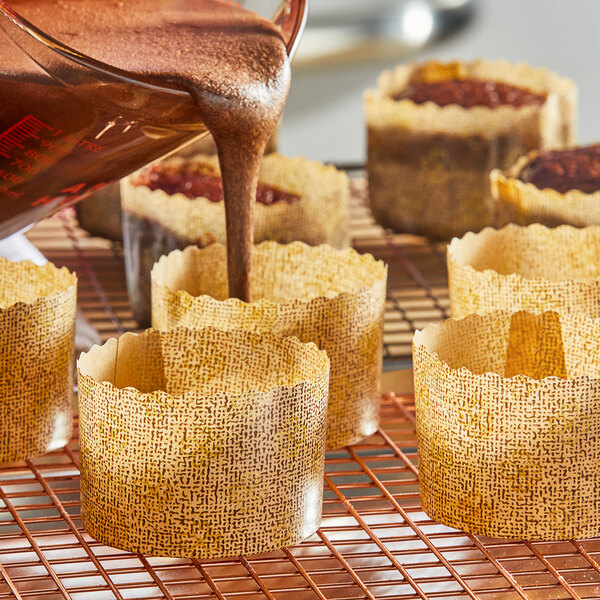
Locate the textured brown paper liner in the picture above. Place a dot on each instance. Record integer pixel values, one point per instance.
(524, 203)
(510, 456)
(526, 268)
(37, 347)
(202, 444)
(334, 298)
(156, 223)
(428, 166)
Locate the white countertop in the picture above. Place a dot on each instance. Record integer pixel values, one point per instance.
(323, 119)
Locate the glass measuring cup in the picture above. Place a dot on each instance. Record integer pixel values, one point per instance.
(70, 124)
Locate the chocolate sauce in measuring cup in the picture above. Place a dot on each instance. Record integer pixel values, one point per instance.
(66, 135)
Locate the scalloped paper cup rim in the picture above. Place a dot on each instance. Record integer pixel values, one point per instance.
(430, 328)
(385, 78)
(507, 230)
(46, 267)
(389, 83)
(365, 258)
(96, 354)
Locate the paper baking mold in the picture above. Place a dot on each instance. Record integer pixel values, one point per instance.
(334, 298)
(508, 413)
(524, 203)
(526, 268)
(202, 443)
(428, 165)
(37, 347)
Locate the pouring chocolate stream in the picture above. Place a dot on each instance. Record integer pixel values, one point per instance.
(231, 61)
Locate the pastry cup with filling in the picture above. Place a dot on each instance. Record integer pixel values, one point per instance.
(37, 347)
(435, 131)
(334, 298)
(100, 214)
(202, 444)
(508, 413)
(526, 268)
(179, 202)
(552, 187)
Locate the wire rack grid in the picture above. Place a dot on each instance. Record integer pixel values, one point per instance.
(375, 541)
(417, 279)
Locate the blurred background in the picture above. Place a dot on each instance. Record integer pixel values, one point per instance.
(349, 42)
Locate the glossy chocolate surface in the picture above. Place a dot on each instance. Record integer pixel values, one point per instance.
(564, 170)
(204, 183)
(469, 93)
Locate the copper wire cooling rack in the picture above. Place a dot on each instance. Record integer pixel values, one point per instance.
(417, 280)
(375, 541)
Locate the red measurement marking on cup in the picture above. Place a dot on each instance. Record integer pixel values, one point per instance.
(19, 133)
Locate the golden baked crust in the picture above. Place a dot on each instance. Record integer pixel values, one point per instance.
(428, 166)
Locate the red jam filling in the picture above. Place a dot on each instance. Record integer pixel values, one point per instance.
(204, 183)
(470, 92)
(564, 170)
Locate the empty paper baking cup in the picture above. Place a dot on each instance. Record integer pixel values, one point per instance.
(37, 346)
(526, 268)
(202, 444)
(334, 298)
(508, 414)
